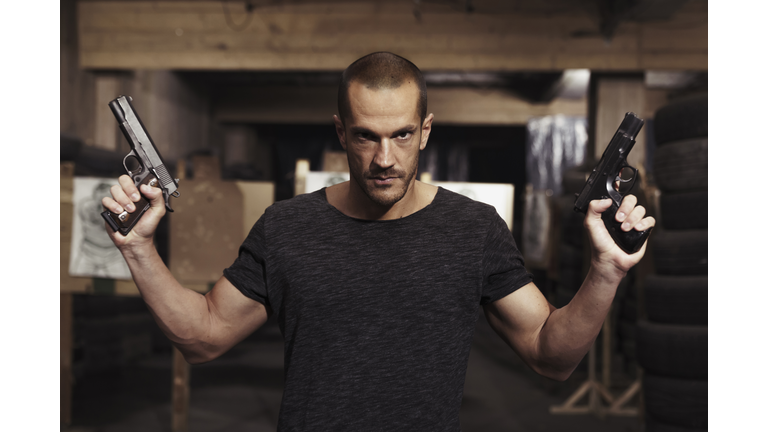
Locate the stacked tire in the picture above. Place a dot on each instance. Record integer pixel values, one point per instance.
(671, 339)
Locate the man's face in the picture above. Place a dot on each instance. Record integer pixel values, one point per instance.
(383, 135)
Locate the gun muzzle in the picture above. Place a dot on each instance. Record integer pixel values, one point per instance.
(631, 125)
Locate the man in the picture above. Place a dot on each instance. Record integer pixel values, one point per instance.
(376, 282)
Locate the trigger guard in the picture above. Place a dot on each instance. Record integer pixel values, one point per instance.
(621, 180)
(137, 171)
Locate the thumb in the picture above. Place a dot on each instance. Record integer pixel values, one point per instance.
(156, 202)
(597, 207)
(154, 195)
(593, 220)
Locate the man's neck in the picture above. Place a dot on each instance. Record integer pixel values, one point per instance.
(353, 202)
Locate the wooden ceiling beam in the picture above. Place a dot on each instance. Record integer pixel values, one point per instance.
(329, 36)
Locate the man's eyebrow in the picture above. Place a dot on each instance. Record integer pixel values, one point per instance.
(360, 129)
(409, 129)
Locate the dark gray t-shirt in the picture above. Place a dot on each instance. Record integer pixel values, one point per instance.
(377, 316)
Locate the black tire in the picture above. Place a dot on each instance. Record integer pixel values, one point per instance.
(681, 119)
(652, 425)
(629, 349)
(684, 210)
(672, 350)
(676, 401)
(681, 166)
(628, 310)
(626, 330)
(676, 299)
(680, 252)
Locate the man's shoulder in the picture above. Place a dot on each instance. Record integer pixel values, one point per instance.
(463, 203)
(308, 203)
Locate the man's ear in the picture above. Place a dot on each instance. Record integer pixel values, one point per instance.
(340, 131)
(426, 128)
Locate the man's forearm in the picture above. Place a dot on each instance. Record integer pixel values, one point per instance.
(570, 331)
(181, 313)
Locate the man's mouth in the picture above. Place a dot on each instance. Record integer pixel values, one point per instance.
(383, 180)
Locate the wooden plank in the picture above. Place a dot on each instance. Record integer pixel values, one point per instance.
(450, 105)
(469, 106)
(126, 288)
(328, 36)
(107, 129)
(180, 393)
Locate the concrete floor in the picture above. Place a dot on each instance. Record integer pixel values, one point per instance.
(241, 392)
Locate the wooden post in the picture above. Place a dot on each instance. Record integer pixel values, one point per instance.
(592, 389)
(66, 341)
(180, 369)
(300, 176)
(607, 349)
(180, 393)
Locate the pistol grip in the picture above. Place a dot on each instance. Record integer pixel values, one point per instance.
(629, 241)
(125, 224)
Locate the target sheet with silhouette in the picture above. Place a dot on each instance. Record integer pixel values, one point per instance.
(93, 254)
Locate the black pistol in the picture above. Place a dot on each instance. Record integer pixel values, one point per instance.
(143, 164)
(613, 169)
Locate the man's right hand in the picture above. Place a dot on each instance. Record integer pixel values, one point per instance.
(124, 195)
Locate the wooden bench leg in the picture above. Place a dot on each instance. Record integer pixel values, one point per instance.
(180, 393)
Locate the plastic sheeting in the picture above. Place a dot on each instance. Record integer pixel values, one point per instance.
(553, 144)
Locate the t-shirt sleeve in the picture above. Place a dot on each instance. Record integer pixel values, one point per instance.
(249, 271)
(503, 266)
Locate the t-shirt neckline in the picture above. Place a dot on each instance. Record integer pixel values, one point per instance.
(411, 216)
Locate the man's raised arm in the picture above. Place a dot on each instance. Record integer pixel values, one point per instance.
(202, 327)
(553, 341)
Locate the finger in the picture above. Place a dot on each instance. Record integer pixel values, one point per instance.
(626, 207)
(111, 205)
(634, 217)
(129, 187)
(645, 223)
(119, 195)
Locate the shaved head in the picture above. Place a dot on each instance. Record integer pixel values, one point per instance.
(382, 70)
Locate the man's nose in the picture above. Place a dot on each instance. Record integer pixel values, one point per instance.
(384, 157)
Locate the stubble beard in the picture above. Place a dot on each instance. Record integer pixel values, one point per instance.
(386, 196)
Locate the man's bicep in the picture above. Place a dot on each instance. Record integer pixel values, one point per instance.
(519, 317)
(233, 315)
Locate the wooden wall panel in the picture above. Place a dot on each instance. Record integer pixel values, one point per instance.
(616, 97)
(175, 113)
(330, 35)
(451, 105)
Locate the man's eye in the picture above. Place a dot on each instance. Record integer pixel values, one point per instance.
(404, 136)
